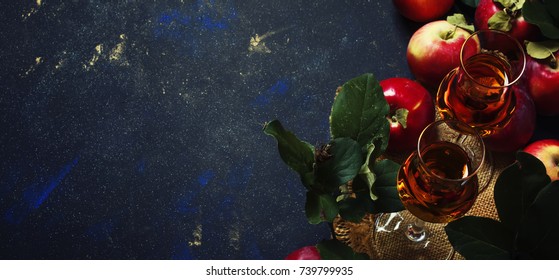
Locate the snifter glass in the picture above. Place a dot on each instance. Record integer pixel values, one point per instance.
(437, 184)
(479, 92)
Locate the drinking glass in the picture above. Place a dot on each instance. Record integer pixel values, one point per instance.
(437, 184)
(479, 92)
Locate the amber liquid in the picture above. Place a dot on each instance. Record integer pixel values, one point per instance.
(430, 198)
(479, 99)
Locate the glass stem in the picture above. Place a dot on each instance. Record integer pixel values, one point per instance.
(416, 231)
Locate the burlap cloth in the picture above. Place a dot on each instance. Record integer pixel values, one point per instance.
(362, 237)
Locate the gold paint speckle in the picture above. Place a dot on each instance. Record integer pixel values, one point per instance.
(38, 60)
(235, 238)
(117, 52)
(197, 234)
(94, 58)
(61, 62)
(99, 48)
(257, 43)
(34, 10)
(114, 55)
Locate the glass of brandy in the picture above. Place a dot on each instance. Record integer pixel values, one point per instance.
(437, 184)
(479, 91)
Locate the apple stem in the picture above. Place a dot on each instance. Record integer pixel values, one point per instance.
(553, 60)
(450, 33)
(510, 12)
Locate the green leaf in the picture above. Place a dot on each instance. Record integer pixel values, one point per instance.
(359, 112)
(343, 165)
(544, 15)
(320, 208)
(500, 21)
(480, 238)
(471, 3)
(385, 187)
(460, 21)
(402, 116)
(518, 4)
(334, 249)
(542, 50)
(365, 172)
(537, 235)
(297, 154)
(516, 188)
(511, 5)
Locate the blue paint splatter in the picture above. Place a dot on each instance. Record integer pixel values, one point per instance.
(252, 251)
(36, 194)
(205, 177)
(276, 91)
(191, 24)
(280, 87)
(182, 252)
(210, 23)
(185, 203)
(262, 100)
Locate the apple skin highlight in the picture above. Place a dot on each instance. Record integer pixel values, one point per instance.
(403, 93)
(434, 50)
(546, 150)
(543, 85)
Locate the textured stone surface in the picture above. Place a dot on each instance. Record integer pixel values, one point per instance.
(132, 129)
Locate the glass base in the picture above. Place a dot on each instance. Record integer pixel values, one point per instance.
(392, 233)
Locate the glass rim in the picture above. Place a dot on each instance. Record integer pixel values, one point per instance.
(469, 130)
(517, 44)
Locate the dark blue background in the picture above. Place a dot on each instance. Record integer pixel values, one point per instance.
(132, 129)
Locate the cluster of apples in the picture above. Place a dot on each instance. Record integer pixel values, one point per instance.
(433, 50)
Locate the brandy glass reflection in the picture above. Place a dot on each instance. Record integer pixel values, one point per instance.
(437, 184)
(479, 92)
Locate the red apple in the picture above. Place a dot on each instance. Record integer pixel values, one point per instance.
(518, 132)
(423, 10)
(434, 50)
(546, 150)
(543, 84)
(519, 28)
(304, 253)
(411, 110)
